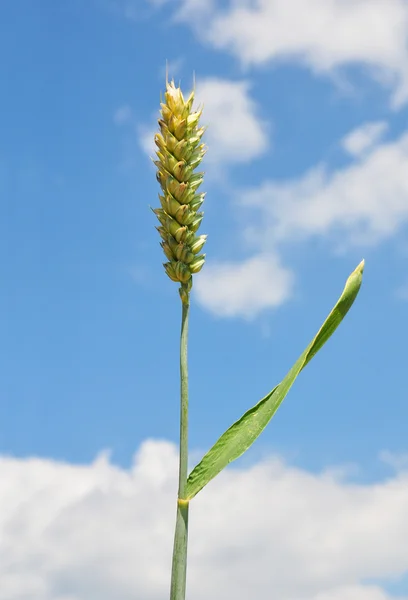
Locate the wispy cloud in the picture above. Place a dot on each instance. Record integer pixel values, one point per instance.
(365, 201)
(322, 35)
(364, 138)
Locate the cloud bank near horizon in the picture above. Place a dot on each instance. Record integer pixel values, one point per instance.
(74, 532)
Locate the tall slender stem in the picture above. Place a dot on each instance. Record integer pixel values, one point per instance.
(179, 567)
(183, 400)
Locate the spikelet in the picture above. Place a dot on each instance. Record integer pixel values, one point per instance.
(179, 152)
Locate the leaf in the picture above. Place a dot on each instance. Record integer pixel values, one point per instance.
(242, 434)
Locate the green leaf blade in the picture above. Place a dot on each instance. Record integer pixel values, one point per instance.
(243, 433)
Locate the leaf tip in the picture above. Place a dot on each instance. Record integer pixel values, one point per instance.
(357, 274)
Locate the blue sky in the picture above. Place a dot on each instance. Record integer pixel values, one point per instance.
(306, 174)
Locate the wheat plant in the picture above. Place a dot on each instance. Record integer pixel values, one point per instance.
(179, 153)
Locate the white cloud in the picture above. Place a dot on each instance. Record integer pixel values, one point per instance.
(236, 133)
(364, 138)
(195, 11)
(321, 34)
(363, 203)
(146, 140)
(243, 289)
(99, 531)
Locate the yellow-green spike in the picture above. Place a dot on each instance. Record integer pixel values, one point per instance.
(179, 153)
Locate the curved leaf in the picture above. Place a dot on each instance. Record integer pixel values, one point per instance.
(242, 434)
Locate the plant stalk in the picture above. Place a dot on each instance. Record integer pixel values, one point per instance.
(179, 565)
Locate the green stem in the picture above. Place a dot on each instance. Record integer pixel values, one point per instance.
(179, 566)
